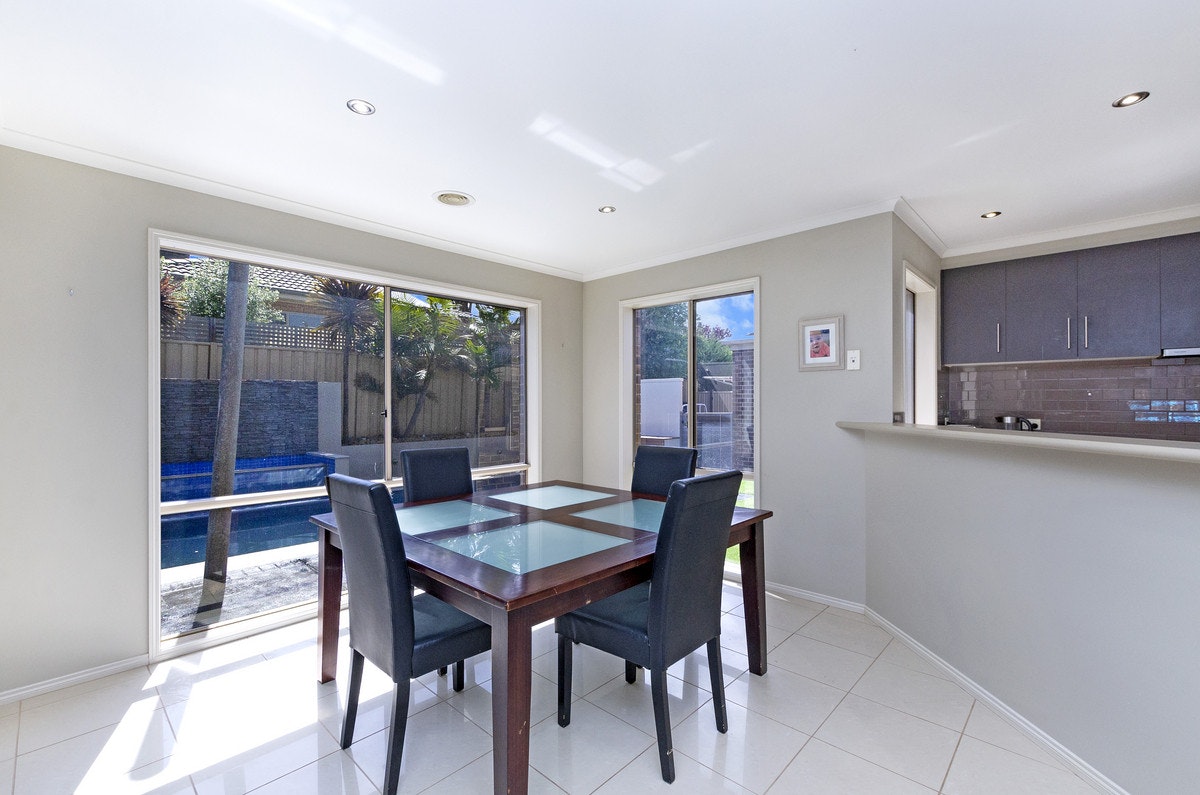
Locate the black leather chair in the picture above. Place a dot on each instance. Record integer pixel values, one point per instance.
(656, 624)
(436, 472)
(403, 635)
(656, 468)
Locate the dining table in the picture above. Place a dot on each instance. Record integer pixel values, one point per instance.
(518, 556)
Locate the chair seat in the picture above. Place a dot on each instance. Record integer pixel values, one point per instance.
(443, 635)
(616, 624)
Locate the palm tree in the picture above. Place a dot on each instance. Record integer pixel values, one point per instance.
(171, 311)
(350, 315)
(490, 348)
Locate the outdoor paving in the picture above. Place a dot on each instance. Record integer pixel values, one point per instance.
(249, 591)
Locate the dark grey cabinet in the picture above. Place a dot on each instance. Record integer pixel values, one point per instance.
(1118, 294)
(1180, 268)
(973, 314)
(1040, 312)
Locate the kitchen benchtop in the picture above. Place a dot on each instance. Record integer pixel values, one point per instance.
(1104, 445)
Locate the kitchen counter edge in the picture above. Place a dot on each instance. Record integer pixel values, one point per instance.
(1162, 450)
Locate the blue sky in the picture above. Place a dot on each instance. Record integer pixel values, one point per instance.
(735, 312)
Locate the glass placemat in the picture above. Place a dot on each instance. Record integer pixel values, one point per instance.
(523, 548)
(419, 519)
(642, 514)
(547, 497)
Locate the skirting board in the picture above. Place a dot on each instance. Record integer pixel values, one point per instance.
(1013, 718)
(79, 677)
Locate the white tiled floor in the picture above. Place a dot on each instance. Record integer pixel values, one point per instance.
(844, 708)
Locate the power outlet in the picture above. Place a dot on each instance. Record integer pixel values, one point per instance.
(1035, 425)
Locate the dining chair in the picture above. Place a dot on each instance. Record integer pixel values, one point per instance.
(436, 472)
(403, 635)
(656, 468)
(657, 623)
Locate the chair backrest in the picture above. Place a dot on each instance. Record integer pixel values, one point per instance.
(656, 468)
(381, 608)
(436, 472)
(689, 561)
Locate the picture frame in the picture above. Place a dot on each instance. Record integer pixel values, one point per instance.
(822, 345)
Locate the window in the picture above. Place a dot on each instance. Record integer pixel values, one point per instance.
(693, 377)
(273, 373)
(920, 348)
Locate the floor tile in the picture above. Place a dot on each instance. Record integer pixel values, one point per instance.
(644, 775)
(134, 680)
(731, 597)
(633, 703)
(437, 742)
(984, 724)
(9, 708)
(7, 771)
(733, 634)
(693, 669)
(821, 769)
(897, 653)
(983, 769)
(259, 761)
(590, 668)
(580, 757)
(753, 752)
(788, 698)
(102, 760)
(840, 628)
(907, 745)
(787, 613)
(335, 774)
(82, 713)
(477, 778)
(476, 670)
(476, 702)
(8, 737)
(929, 697)
(374, 709)
(815, 659)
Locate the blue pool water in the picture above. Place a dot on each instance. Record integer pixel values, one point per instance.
(192, 480)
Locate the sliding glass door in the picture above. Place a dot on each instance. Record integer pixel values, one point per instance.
(694, 380)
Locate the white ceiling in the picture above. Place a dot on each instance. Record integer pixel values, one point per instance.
(706, 123)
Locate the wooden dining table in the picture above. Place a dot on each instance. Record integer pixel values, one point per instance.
(519, 556)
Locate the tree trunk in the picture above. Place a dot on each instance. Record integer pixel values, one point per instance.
(229, 405)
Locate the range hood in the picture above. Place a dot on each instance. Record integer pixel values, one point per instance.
(1169, 352)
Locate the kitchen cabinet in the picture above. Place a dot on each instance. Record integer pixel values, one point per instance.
(1127, 300)
(1180, 267)
(1118, 301)
(973, 314)
(1040, 310)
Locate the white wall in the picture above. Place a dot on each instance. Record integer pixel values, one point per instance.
(1065, 584)
(812, 475)
(74, 416)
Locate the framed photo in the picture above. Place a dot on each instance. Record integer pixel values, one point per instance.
(821, 344)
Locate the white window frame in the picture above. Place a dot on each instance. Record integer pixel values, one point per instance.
(159, 239)
(925, 347)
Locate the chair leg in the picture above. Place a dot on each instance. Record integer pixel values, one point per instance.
(662, 723)
(459, 678)
(718, 683)
(356, 669)
(564, 680)
(630, 672)
(442, 671)
(395, 749)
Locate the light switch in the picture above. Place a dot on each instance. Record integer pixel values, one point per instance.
(852, 360)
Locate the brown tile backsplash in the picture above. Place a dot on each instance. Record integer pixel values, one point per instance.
(1145, 398)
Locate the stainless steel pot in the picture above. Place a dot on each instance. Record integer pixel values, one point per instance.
(1011, 422)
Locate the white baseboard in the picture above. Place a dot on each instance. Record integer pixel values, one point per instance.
(1015, 719)
(79, 677)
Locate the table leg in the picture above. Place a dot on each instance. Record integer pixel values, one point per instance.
(512, 670)
(754, 598)
(329, 603)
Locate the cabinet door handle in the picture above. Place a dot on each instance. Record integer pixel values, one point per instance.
(1068, 332)
(997, 338)
(1085, 325)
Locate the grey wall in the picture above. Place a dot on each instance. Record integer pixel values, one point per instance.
(811, 473)
(73, 340)
(1065, 584)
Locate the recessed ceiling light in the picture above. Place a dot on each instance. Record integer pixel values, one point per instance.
(990, 214)
(361, 107)
(454, 198)
(1130, 99)
(608, 208)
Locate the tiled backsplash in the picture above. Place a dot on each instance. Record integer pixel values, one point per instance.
(1146, 398)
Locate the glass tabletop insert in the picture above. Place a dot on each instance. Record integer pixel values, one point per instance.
(525, 547)
(642, 514)
(547, 497)
(420, 519)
